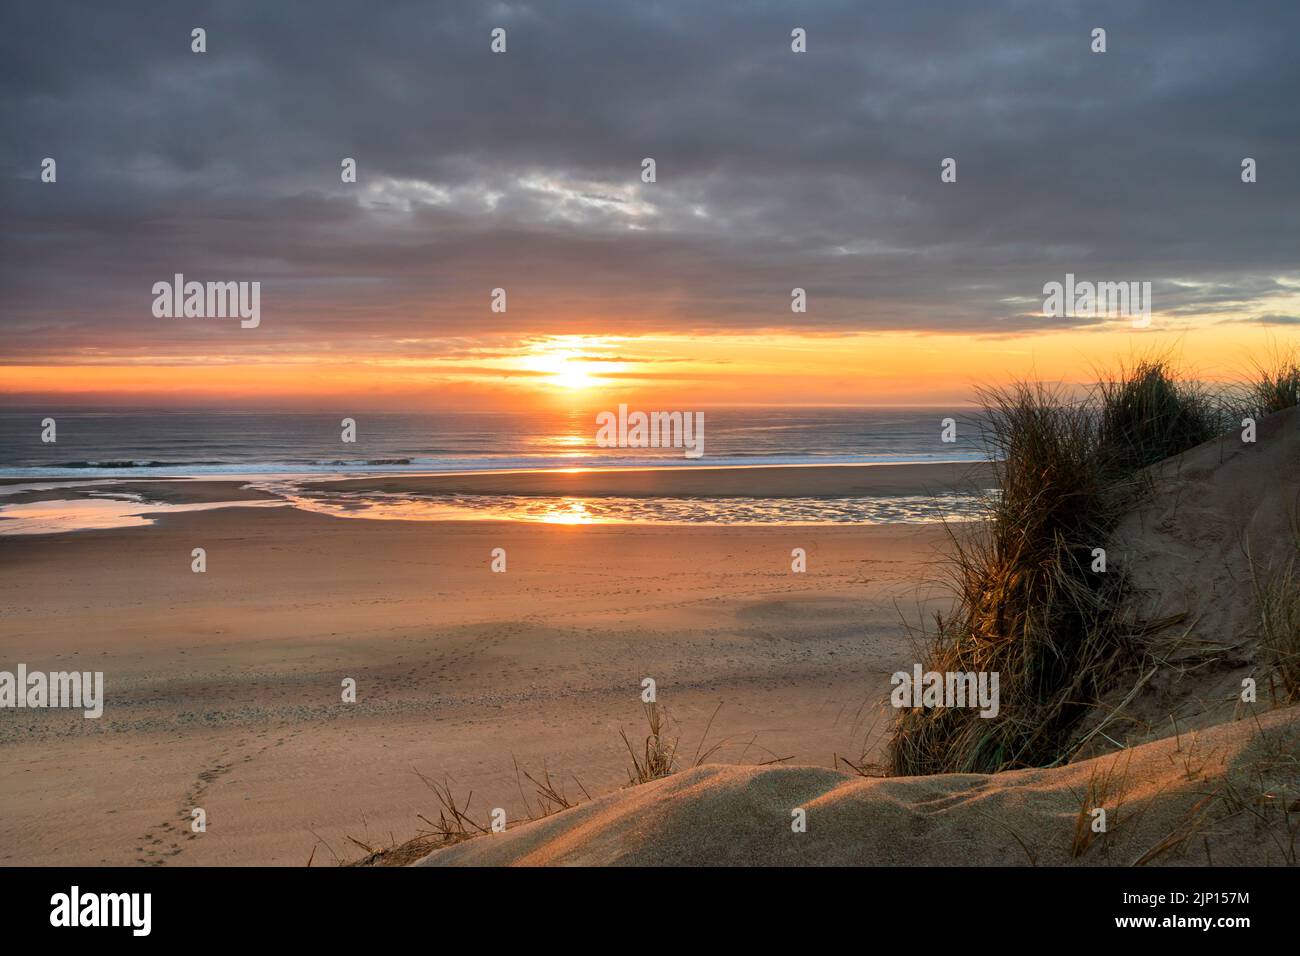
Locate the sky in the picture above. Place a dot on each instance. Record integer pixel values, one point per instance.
(522, 170)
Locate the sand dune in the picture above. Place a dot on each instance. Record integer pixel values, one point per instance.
(1174, 801)
(1220, 514)
(1226, 793)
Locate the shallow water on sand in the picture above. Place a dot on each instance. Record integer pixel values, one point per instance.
(120, 509)
(890, 509)
(100, 512)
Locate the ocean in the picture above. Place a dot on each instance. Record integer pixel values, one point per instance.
(137, 443)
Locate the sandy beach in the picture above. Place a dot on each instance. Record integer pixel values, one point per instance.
(223, 688)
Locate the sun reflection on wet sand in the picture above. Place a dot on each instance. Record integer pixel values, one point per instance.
(568, 510)
(129, 510)
(99, 513)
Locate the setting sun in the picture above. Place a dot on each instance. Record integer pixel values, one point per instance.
(568, 375)
(566, 362)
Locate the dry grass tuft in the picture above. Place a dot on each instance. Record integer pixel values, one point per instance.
(1106, 791)
(1275, 383)
(453, 825)
(658, 756)
(1277, 596)
(548, 793)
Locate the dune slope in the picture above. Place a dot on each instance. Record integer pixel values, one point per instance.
(1218, 518)
(1216, 796)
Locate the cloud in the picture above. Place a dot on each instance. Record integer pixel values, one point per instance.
(522, 170)
(1268, 318)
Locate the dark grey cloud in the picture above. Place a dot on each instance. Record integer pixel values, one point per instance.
(522, 170)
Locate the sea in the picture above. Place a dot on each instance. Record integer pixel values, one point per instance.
(287, 452)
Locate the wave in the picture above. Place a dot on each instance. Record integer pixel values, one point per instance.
(200, 468)
(131, 463)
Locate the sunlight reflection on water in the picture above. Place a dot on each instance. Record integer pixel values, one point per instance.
(98, 513)
(123, 510)
(607, 510)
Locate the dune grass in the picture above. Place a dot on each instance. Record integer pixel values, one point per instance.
(1146, 414)
(1274, 383)
(1277, 597)
(658, 757)
(1107, 790)
(1274, 386)
(1030, 605)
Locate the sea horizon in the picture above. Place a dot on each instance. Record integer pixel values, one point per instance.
(148, 443)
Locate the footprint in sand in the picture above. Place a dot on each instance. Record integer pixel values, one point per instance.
(161, 842)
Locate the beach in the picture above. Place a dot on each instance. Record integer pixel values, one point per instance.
(223, 689)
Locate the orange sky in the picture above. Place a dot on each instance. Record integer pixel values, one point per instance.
(678, 371)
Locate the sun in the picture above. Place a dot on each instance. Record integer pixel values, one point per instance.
(565, 366)
(571, 376)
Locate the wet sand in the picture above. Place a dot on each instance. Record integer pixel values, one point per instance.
(783, 481)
